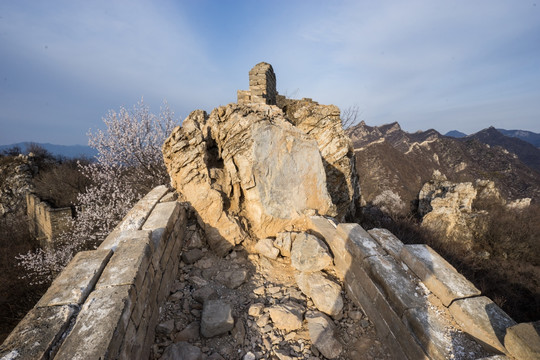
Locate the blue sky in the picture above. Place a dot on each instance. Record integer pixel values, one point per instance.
(446, 65)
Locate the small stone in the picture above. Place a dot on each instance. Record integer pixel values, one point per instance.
(249, 356)
(321, 331)
(287, 316)
(355, 315)
(204, 293)
(190, 332)
(266, 248)
(283, 242)
(232, 279)
(364, 323)
(215, 356)
(176, 296)
(259, 291)
(216, 318)
(255, 310)
(198, 281)
(166, 327)
(325, 293)
(182, 350)
(239, 333)
(192, 256)
(263, 320)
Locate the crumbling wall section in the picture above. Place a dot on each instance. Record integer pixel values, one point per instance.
(419, 304)
(105, 304)
(46, 222)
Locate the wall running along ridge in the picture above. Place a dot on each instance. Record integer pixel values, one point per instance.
(105, 304)
(46, 222)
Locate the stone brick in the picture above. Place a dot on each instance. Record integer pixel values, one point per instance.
(430, 329)
(76, 281)
(138, 214)
(143, 296)
(164, 215)
(437, 274)
(484, 320)
(37, 332)
(523, 340)
(117, 237)
(128, 343)
(398, 288)
(100, 326)
(387, 240)
(128, 265)
(323, 228)
(358, 242)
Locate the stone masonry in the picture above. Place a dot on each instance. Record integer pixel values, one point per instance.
(262, 86)
(46, 222)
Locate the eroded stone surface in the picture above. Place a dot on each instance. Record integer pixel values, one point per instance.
(388, 241)
(523, 340)
(309, 253)
(266, 248)
(325, 293)
(216, 318)
(358, 241)
(437, 274)
(37, 332)
(321, 331)
(102, 322)
(483, 319)
(74, 284)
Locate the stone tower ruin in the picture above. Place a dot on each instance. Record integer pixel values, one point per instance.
(262, 86)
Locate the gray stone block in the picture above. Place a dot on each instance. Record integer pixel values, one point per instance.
(430, 330)
(484, 320)
(323, 227)
(164, 215)
(100, 326)
(388, 241)
(37, 332)
(358, 242)
(117, 237)
(138, 214)
(128, 265)
(523, 340)
(441, 278)
(77, 280)
(396, 284)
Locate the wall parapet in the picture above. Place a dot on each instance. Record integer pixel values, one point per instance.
(45, 221)
(105, 303)
(415, 298)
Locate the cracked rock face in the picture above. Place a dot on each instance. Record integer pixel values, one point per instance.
(249, 169)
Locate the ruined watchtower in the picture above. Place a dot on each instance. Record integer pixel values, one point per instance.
(262, 86)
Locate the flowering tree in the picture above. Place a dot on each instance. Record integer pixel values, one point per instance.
(129, 164)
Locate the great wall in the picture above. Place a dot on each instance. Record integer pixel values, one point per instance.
(173, 278)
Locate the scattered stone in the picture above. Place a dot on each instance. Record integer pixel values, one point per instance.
(178, 295)
(325, 293)
(255, 310)
(239, 333)
(321, 331)
(192, 256)
(263, 320)
(216, 318)
(266, 248)
(215, 356)
(204, 293)
(249, 356)
(166, 327)
(233, 278)
(287, 316)
(182, 350)
(198, 281)
(259, 291)
(283, 242)
(309, 253)
(190, 332)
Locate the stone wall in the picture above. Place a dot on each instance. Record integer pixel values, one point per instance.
(262, 86)
(105, 304)
(419, 304)
(46, 222)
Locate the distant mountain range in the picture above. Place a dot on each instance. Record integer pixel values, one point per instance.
(388, 158)
(69, 151)
(528, 136)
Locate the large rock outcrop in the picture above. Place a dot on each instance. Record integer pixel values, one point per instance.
(258, 169)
